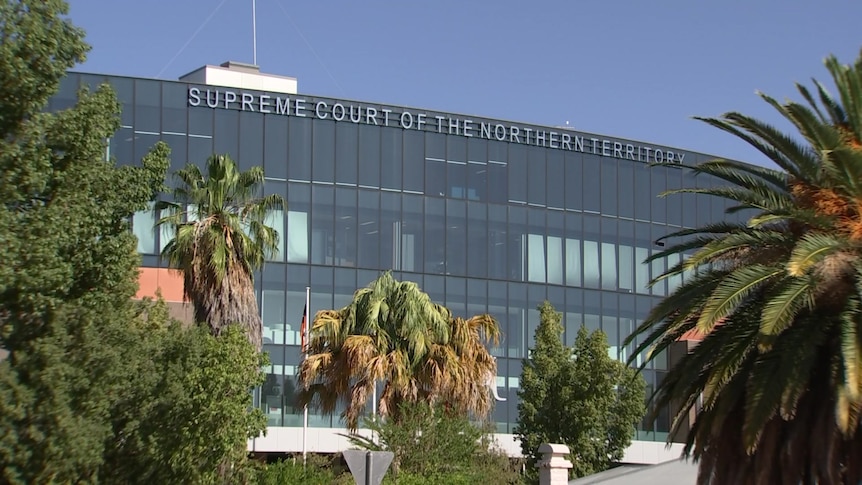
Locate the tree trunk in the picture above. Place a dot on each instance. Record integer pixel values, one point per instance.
(232, 302)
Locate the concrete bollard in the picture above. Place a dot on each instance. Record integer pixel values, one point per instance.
(554, 465)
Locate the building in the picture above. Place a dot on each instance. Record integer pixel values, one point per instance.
(486, 215)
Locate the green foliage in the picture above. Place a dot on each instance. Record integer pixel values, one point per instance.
(776, 380)
(577, 396)
(95, 387)
(317, 471)
(188, 414)
(433, 445)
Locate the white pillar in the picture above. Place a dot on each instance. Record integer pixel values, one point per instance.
(554, 465)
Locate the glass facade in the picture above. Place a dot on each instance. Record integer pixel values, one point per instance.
(483, 222)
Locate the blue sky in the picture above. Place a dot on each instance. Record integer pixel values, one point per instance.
(633, 69)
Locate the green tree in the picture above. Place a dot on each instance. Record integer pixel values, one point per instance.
(69, 267)
(434, 445)
(577, 396)
(187, 414)
(776, 380)
(394, 334)
(220, 240)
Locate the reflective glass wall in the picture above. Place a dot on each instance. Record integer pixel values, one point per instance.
(483, 224)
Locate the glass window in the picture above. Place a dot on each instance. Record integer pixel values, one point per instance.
(275, 147)
(272, 305)
(435, 164)
(517, 243)
(226, 136)
(166, 231)
(658, 268)
(641, 270)
(299, 205)
(346, 150)
(323, 155)
(435, 236)
(626, 268)
(456, 237)
(369, 230)
(643, 193)
(456, 167)
(574, 181)
(573, 262)
(517, 174)
(609, 327)
(476, 246)
(143, 144)
(299, 149)
(609, 266)
(556, 180)
(147, 106)
(497, 172)
(297, 237)
(609, 186)
(369, 156)
(497, 240)
(477, 169)
(688, 202)
(517, 321)
(121, 146)
(592, 189)
(250, 140)
(275, 220)
(674, 209)
(391, 158)
(143, 226)
(536, 172)
(412, 234)
(344, 240)
(555, 260)
(456, 296)
(174, 109)
(658, 180)
(414, 161)
(536, 258)
(322, 225)
(592, 275)
(389, 224)
(626, 192)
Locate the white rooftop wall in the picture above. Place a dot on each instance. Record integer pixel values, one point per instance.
(242, 76)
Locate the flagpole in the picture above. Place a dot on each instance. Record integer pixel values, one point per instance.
(304, 351)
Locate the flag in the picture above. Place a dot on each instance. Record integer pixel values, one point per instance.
(303, 330)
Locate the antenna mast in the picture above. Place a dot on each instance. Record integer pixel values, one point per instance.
(254, 31)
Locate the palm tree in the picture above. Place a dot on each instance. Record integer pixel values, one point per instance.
(220, 240)
(777, 380)
(393, 333)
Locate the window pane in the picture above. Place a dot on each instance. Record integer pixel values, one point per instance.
(323, 156)
(536, 258)
(414, 161)
(592, 274)
(390, 159)
(346, 149)
(275, 147)
(641, 270)
(573, 262)
(626, 268)
(143, 226)
(369, 156)
(609, 266)
(297, 237)
(555, 260)
(275, 220)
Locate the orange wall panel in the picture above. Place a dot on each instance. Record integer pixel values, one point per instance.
(170, 282)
